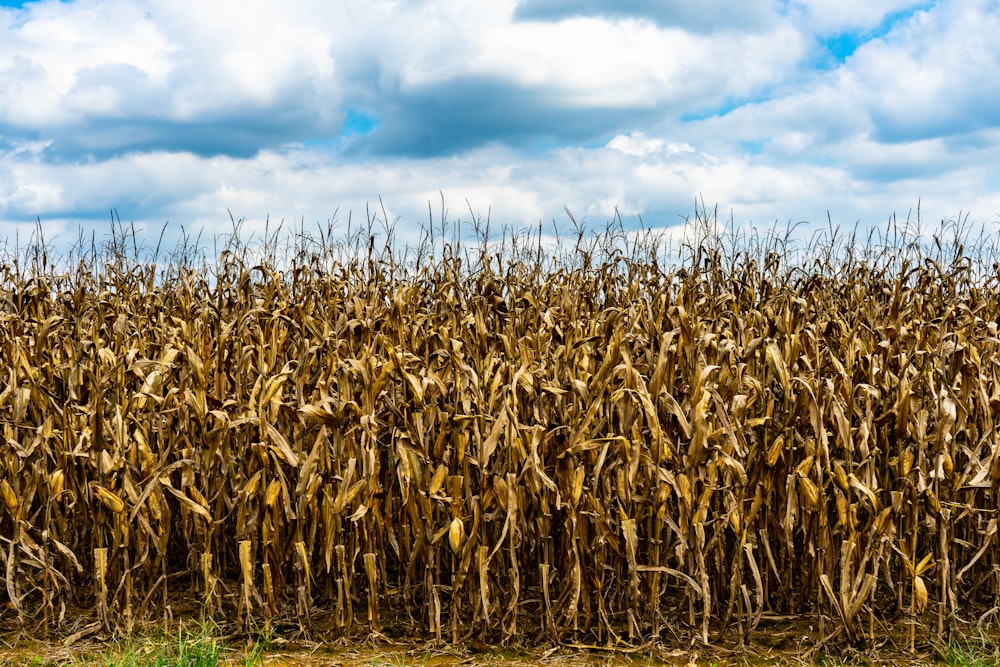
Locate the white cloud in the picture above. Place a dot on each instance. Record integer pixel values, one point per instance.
(662, 185)
(707, 16)
(169, 60)
(181, 110)
(832, 16)
(55, 43)
(191, 59)
(606, 63)
(937, 74)
(637, 144)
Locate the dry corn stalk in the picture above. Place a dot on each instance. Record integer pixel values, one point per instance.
(591, 446)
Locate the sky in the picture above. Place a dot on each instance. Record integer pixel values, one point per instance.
(178, 114)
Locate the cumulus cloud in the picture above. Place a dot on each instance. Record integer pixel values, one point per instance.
(708, 16)
(831, 16)
(440, 76)
(184, 112)
(938, 70)
(114, 76)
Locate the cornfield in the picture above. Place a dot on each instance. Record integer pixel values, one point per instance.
(504, 443)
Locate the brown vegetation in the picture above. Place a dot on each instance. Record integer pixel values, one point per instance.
(510, 444)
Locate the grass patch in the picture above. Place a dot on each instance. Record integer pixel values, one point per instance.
(197, 648)
(969, 654)
(194, 646)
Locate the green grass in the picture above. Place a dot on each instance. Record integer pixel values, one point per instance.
(970, 654)
(199, 646)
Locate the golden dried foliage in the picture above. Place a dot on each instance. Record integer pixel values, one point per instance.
(584, 447)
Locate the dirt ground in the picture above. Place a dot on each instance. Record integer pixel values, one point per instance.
(37, 654)
(777, 641)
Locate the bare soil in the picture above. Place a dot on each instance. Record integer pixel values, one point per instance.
(288, 654)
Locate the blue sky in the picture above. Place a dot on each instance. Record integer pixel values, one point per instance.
(772, 110)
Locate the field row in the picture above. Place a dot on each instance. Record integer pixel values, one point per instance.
(586, 453)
